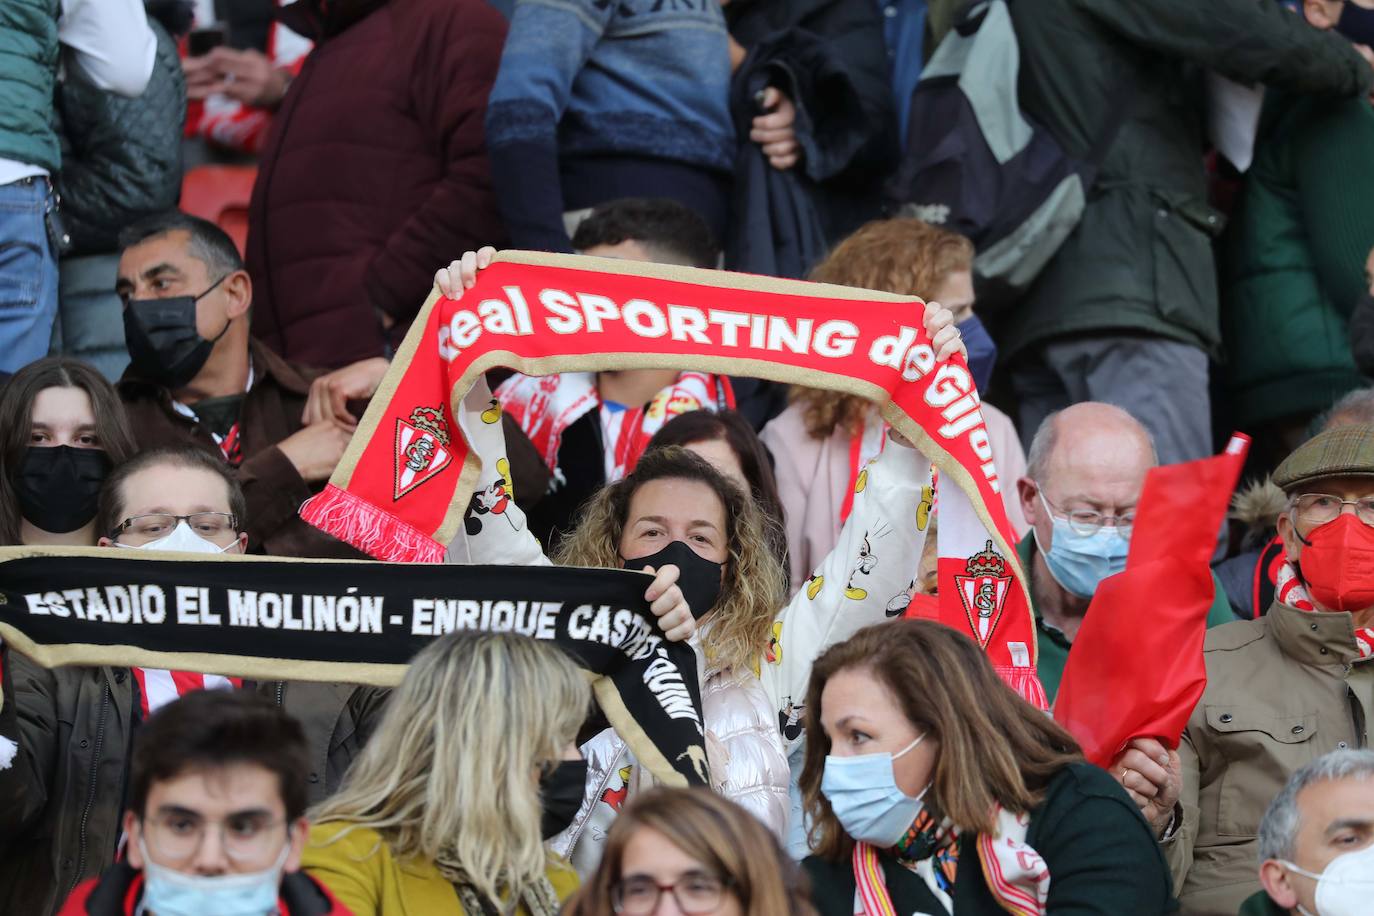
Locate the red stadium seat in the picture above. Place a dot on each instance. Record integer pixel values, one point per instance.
(220, 193)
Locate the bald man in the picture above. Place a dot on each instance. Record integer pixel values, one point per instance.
(1085, 471)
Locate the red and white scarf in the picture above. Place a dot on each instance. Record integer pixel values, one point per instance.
(1290, 591)
(157, 687)
(1015, 874)
(546, 406)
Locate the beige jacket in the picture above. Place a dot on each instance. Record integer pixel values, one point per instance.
(1281, 691)
(814, 475)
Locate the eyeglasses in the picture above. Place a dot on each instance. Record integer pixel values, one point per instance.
(150, 527)
(1087, 522)
(695, 893)
(248, 838)
(1313, 509)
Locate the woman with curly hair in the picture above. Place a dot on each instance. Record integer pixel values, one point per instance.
(823, 440)
(679, 518)
(705, 852)
(472, 767)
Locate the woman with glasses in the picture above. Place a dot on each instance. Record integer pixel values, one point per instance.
(693, 849)
(62, 428)
(472, 767)
(931, 787)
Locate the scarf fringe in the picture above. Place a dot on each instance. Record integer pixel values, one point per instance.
(375, 532)
(1026, 683)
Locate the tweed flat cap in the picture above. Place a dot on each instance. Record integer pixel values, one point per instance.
(1346, 451)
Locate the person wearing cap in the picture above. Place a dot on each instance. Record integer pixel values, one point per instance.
(1282, 690)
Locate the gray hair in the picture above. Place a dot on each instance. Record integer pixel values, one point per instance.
(1046, 438)
(1278, 831)
(1355, 407)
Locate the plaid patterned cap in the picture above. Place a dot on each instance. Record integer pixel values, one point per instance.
(1346, 451)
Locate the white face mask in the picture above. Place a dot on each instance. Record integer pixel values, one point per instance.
(181, 540)
(1346, 886)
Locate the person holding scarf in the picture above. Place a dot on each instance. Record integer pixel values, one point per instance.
(824, 439)
(931, 787)
(62, 429)
(471, 769)
(1283, 689)
(675, 514)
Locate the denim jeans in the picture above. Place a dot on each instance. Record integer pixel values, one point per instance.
(28, 274)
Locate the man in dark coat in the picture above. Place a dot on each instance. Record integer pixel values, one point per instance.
(1126, 311)
(198, 378)
(375, 173)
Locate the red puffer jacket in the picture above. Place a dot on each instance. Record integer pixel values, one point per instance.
(375, 173)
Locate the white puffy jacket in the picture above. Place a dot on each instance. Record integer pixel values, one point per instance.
(752, 718)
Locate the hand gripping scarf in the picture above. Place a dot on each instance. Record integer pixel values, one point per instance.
(403, 485)
(351, 622)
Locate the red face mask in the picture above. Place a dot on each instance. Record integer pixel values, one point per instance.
(1337, 563)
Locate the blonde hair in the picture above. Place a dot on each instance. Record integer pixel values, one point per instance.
(449, 776)
(903, 256)
(737, 631)
(717, 833)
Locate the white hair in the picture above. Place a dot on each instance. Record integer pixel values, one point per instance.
(1278, 831)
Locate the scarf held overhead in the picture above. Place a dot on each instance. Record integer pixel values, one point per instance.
(352, 622)
(403, 485)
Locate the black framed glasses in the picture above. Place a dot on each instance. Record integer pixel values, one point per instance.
(208, 525)
(696, 893)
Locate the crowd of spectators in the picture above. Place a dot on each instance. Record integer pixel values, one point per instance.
(184, 362)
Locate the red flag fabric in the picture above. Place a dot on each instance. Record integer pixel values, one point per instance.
(1136, 668)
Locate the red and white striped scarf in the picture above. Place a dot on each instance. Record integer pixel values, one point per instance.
(546, 406)
(1016, 875)
(157, 687)
(1290, 591)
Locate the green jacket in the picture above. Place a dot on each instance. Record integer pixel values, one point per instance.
(1052, 647)
(1141, 259)
(62, 799)
(28, 75)
(1294, 264)
(1261, 905)
(1102, 858)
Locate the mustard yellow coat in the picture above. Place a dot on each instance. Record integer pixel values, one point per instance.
(361, 872)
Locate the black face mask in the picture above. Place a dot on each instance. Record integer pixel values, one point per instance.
(58, 486)
(1356, 23)
(561, 790)
(698, 577)
(164, 345)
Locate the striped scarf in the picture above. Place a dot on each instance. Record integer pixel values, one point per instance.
(1015, 873)
(1288, 588)
(157, 687)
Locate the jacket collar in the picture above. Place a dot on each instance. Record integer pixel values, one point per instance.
(266, 365)
(1315, 638)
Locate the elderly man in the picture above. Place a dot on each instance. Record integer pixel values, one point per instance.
(1281, 690)
(1085, 471)
(1316, 842)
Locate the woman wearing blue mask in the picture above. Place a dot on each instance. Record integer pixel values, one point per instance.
(931, 787)
(62, 429)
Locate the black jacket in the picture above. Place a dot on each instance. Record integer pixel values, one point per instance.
(121, 157)
(1102, 858)
(830, 58)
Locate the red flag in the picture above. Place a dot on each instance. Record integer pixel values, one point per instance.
(1136, 668)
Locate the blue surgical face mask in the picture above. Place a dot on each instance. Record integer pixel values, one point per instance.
(167, 892)
(863, 793)
(1079, 562)
(982, 352)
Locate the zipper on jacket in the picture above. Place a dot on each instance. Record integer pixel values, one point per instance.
(90, 794)
(596, 798)
(281, 693)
